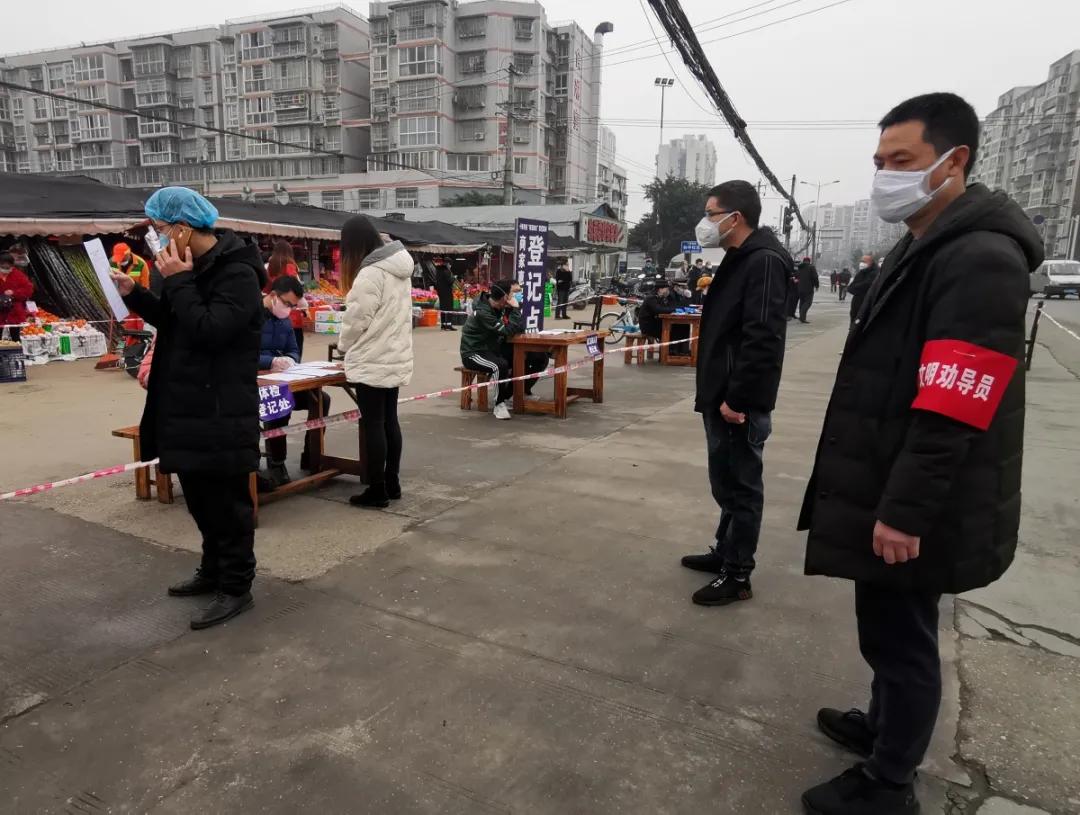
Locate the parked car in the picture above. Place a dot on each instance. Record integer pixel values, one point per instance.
(1056, 278)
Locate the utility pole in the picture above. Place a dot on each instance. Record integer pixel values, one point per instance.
(787, 222)
(663, 83)
(508, 166)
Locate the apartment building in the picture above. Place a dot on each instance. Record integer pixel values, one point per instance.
(1031, 148)
(285, 78)
(440, 94)
(844, 229)
(691, 157)
(611, 178)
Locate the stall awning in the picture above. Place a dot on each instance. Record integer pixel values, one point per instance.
(67, 226)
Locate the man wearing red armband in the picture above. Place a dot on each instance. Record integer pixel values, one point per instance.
(915, 491)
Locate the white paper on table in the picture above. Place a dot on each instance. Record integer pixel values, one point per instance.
(284, 377)
(100, 262)
(318, 364)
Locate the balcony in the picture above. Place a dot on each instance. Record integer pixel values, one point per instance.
(159, 158)
(256, 52)
(294, 48)
(418, 32)
(156, 129)
(293, 116)
(291, 83)
(285, 101)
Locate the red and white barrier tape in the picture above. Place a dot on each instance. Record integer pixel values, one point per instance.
(326, 421)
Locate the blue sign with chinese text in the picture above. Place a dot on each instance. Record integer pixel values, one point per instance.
(690, 247)
(530, 263)
(275, 402)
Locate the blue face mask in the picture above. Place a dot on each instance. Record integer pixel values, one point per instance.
(519, 297)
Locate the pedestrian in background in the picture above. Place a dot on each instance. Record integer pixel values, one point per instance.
(202, 399)
(15, 290)
(282, 262)
(807, 285)
(564, 281)
(915, 490)
(740, 357)
(444, 286)
(376, 339)
(844, 280)
(861, 283)
(834, 280)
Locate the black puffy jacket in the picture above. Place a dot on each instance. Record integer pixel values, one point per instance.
(743, 325)
(902, 441)
(202, 399)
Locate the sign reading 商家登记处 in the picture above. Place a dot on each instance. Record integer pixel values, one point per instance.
(530, 264)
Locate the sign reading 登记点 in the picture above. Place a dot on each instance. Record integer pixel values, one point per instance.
(530, 263)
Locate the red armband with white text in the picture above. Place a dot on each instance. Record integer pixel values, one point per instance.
(963, 381)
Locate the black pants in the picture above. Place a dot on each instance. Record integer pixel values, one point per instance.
(735, 474)
(898, 638)
(792, 301)
(382, 433)
(843, 291)
(222, 508)
(494, 364)
(562, 295)
(446, 305)
(299, 334)
(277, 448)
(806, 299)
(535, 362)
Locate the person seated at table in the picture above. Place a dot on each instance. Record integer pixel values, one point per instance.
(535, 361)
(278, 352)
(661, 301)
(484, 337)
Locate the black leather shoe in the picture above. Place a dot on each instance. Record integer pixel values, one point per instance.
(856, 792)
(194, 586)
(848, 729)
(371, 498)
(709, 562)
(222, 608)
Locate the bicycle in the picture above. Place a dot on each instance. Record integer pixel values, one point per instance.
(617, 324)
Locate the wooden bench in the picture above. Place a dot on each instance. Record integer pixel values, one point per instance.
(161, 481)
(637, 343)
(468, 376)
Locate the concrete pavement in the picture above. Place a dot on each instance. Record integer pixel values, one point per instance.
(517, 635)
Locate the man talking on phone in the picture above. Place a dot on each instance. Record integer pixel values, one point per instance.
(740, 357)
(202, 400)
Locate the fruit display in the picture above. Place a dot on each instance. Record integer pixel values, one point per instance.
(65, 283)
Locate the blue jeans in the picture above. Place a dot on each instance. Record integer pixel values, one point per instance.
(735, 475)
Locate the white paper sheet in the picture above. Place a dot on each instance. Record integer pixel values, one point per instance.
(285, 377)
(312, 373)
(96, 252)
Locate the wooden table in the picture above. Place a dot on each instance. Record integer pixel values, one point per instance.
(559, 346)
(322, 466)
(667, 321)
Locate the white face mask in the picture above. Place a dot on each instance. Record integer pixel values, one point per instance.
(899, 194)
(708, 232)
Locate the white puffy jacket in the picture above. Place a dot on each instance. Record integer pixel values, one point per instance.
(376, 330)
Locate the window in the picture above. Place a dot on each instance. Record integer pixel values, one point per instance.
(407, 197)
(63, 160)
(60, 133)
(292, 75)
(255, 45)
(229, 82)
(560, 84)
(523, 28)
(208, 89)
(41, 108)
(416, 96)
(416, 60)
(525, 97)
(380, 97)
(472, 62)
(521, 166)
(56, 76)
(89, 67)
(523, 64)
(147, 61)
(262, 147)
(94, 126)
(333, 199)
(471, 27)
(472, 131)
(414, 16)
(424, 160)
(258, 110)
(331, 75)
(522, 132)
(96, 155)
(256, 78)
(367, 199)
(379, 67)
(16, 106)
(471, 97)
(418, 130)
(468, 162)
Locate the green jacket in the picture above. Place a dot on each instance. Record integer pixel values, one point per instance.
(487, 329)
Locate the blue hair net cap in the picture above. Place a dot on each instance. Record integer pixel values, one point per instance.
(175, 204)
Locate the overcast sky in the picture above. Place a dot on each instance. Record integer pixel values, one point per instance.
(850, 62)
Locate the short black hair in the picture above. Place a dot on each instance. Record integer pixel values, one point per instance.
(286, 284)
(500, 289)
(741, 197)
(948, 121)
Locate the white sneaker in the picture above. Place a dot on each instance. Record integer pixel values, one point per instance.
(502, 411)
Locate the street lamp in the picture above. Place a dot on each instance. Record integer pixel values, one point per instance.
(817, 208)
(663, 83)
